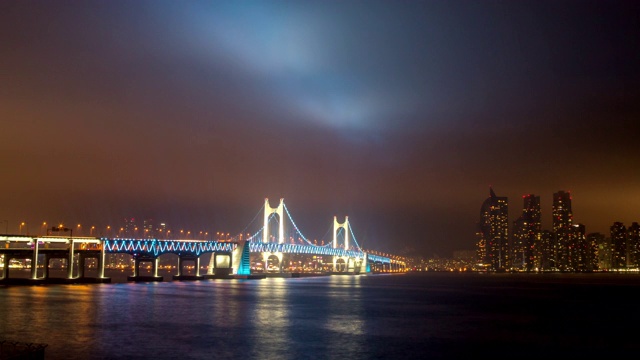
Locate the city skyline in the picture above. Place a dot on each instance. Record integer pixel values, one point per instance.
(399, 116)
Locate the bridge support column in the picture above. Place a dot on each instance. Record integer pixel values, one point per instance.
(81, 262)
(70, 261)
(34, 260)
(364, 265)
(212, 264)
(196, 262)
(136, 270)
(221, 265)
(351, 265)
(154, 266)
(136, 267)
(5, 267)
(101, 261)
(179, 273)
(47, 260)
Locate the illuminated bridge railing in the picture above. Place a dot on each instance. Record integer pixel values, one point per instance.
(159, 247)
(378, 258)
(257, 247)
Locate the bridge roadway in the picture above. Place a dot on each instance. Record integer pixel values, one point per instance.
(228, 260)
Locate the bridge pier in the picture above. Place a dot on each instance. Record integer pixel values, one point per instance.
(267, 255)
(82, 259)
(364, 266)
(137, 260)
(196, 261)
(335, 264)
(34, 261)
(220, 266)
(5, 267)
(47, 260)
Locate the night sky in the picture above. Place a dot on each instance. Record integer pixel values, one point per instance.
(399, 114)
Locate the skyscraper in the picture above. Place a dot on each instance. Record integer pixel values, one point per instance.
(494, 232)
(596, 252)
(633, 245)
(578, 248)
(526, 231)
(562, 221)
(618, 246)
(130, 228)
(546, 251)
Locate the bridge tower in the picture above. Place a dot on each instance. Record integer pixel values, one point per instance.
(353, 264)
(349, 262)
(345, 226)
(268, 210)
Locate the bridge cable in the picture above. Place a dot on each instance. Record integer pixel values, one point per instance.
(353, 236)
(254, 219)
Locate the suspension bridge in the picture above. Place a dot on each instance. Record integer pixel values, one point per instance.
(277, 248)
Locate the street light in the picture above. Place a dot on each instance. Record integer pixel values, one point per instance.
(44, 227)
(91, 231)
(79, 228)
(20, 228)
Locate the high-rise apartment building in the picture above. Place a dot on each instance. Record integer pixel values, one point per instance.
(596, 252)
(526, 232)
(633, 245)
(546, 251)
(130, 228)
(578, 248)
(618, 246)
(148, 230)
(562, 221)
(494, 230)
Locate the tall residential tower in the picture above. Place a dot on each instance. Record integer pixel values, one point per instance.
(562, 230)
(526, 231)
(494, 232)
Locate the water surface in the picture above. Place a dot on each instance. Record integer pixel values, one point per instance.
(411, 316)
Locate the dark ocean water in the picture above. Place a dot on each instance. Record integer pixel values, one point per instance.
(408, 316)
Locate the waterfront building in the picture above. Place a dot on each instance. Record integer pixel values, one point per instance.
(130, 228)
(633, 246)
(562, 221)
(148, 230)
(578, 248)
(597, 250)
(481, 250)
(618, 246)
(494, 230)
(546, 251)
(526, 230)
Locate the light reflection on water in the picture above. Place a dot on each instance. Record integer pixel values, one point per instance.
(271, 317)
(346, 325)
(334, 317)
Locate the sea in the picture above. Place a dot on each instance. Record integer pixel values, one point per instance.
(434, 315)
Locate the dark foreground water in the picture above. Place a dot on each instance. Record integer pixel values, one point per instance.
(410, 316)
